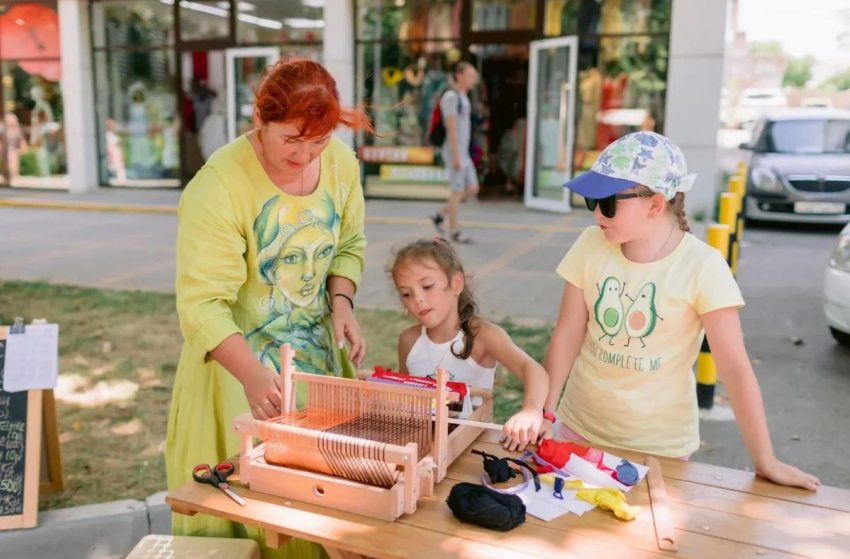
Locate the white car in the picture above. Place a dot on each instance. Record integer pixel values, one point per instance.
(755, 101)
(836, 290)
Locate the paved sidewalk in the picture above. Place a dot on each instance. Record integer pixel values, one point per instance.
(128, 247)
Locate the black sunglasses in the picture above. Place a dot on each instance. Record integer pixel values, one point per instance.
(608, 206)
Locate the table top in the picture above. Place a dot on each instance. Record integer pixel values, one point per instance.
(717, 513)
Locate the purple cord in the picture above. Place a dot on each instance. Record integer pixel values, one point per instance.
(516, 489)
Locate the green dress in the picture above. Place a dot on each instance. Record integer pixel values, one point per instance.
(254, 260)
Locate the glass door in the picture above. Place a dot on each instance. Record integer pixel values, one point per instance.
(245, 67)
(551, 123)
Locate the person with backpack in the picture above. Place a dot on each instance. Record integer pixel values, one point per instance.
(451, 130)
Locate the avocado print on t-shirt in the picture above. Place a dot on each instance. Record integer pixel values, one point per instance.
(641, 317)
(638, 321)
(608, 309)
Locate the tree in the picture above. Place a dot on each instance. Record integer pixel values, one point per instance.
(765, 47)
(799, 71)
(837, 82)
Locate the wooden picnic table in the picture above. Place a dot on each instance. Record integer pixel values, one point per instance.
(717, 512)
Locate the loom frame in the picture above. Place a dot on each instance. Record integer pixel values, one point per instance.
(419, 473)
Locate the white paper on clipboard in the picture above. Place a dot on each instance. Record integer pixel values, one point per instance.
(32, 359)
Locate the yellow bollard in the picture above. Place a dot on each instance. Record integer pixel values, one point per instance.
(706, 377)
(718, 237)
(729, 209)
(738, 187)
(742, 169)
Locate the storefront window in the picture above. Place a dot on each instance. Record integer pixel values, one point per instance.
(402, 84)
(201, 21)
(617, 17)
(34, 132)
(561, 18)
(623, 92)
(135, 23)
(138, 126)
(413, 20)
(504, 15)
(33, 140)
(274, 21)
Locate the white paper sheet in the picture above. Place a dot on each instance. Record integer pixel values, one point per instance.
(544, 505)
(594, 476)
(32, 359)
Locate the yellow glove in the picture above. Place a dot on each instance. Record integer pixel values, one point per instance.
(610, 499)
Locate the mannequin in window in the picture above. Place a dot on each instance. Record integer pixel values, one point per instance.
(114, 153)
(17, 144)
(139, 128)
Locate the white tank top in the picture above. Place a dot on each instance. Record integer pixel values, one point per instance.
(426, 356)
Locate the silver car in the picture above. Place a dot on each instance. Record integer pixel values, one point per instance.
(800, 168)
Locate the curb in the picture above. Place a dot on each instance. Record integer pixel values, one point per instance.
(172, 210)
(88, 206)
(100, 531)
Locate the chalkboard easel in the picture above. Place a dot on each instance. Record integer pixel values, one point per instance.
(20, 452)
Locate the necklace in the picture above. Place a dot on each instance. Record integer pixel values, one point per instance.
(664, 245)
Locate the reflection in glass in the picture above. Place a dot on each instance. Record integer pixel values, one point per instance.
(413, 20)
(276, 21)
(137, 119)
(204, 20)
(503, 15)
(553, 96)
(134, 23)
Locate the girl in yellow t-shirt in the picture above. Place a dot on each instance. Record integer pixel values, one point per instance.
(641, 293)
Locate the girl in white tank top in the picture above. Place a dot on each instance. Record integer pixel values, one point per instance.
(450, 334)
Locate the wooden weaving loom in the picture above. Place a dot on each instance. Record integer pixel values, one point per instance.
(358, 446)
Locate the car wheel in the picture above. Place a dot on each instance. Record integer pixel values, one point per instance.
(842, 338)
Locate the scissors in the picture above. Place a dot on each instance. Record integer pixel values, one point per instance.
(217, 478)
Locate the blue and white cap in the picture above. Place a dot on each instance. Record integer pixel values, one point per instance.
(643, 158)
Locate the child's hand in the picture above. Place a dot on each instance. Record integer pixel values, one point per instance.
(547, 430)
(523, 428)
(262, 389)
(783, 474)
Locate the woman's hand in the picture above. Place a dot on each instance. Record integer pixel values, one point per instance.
(783, 474)
(347, 329)
(522, 429)
(262, 389)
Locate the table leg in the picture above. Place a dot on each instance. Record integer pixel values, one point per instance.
(336, 553)
(275, 540)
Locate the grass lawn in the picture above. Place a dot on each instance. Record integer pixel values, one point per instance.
(118, 353)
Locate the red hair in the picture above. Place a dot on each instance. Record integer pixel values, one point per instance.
(304, 92)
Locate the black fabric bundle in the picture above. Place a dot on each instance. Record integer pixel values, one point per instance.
(498, 469)
(484, 507)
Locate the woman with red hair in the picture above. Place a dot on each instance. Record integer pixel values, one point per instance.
(269, 252)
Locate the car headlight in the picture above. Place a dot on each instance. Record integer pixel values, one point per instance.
(840, 258)
(766, 180)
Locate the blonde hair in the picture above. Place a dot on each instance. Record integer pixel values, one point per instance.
(443, 254)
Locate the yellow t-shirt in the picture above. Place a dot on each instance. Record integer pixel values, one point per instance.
(632, 385)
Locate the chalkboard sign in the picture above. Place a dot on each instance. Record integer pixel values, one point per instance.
(20, 452)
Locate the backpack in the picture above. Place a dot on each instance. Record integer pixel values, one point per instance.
(437, 130)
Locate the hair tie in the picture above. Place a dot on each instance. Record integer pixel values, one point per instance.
(438, 240)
